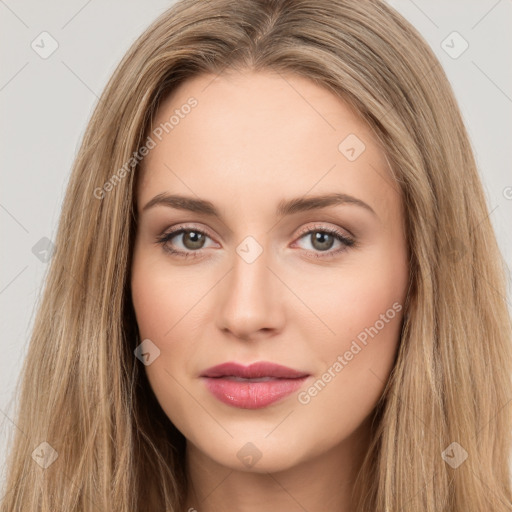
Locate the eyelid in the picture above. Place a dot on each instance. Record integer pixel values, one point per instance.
(184, 227)
(318, 226)
(305, 230)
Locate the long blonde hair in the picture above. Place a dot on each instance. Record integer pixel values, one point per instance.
(85, 394)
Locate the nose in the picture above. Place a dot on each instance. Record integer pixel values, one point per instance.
(250, 301)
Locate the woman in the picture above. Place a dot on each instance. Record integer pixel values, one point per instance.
(276, 285)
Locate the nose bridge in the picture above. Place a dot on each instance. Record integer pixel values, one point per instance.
(250, 274)
(248, 301)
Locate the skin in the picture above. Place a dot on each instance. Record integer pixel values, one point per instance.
(253, 140)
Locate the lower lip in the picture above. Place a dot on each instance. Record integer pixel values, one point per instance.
(251, 395)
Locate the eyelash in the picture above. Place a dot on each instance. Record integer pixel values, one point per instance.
(347, 242)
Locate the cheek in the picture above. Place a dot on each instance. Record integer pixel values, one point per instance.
(367, 309)
(353, 299)
(153, 302)
(366, 314)
(163, 297)
(159, 310)
(169, 306)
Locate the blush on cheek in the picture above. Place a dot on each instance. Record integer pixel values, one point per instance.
(375, 339)
(153, 302)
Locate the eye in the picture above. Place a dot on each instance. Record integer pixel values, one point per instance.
(322, 238)
(192, 241)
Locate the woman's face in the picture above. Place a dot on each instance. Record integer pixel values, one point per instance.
(257, 169)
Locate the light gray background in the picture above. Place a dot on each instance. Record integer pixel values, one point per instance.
(46, 103)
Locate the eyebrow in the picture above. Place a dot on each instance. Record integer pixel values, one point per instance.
(285, 207)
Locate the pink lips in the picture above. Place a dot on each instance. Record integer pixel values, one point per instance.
(253, 386)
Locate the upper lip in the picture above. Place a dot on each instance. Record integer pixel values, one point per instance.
(253, 371)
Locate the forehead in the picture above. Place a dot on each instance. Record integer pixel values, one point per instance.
(262, 134)
(263, 102)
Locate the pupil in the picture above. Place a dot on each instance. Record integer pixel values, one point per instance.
(320, 237)
(195, 239)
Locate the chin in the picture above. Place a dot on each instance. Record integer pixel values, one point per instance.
(258, 456)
